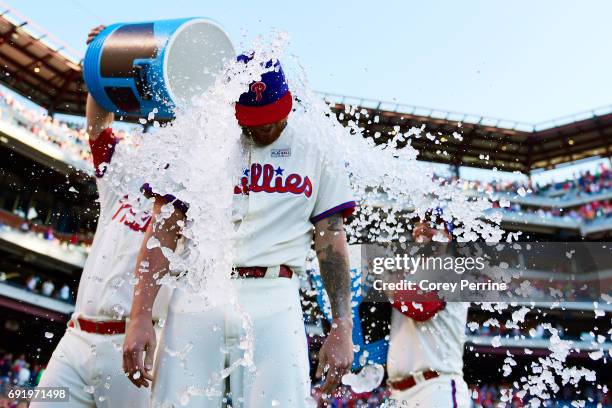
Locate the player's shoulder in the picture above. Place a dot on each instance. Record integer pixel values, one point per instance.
(311, 151)
(296, 145)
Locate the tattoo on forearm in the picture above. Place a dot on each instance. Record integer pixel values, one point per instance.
(337, 280)
(335, 224)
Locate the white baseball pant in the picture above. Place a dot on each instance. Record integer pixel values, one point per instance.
(197, 345)
(91, 366)
(445, 391)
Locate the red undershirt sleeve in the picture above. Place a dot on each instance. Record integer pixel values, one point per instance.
(102, 149)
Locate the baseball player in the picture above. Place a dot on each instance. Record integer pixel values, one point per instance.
(88, 358)
(425, 357)
(290, 185)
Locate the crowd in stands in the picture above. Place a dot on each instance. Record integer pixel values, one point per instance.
(492, 395)
(18, 371)
(538, 331)
(585, 212)
(34, 283)
(41, 285)
(483, 396)
(18, 220)
(47, 287)
(71, 137)
(584, 184)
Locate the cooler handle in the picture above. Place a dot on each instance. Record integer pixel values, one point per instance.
(141, 80)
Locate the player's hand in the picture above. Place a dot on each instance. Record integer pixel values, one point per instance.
(336, 355)
(94, 32)
(138, 351)
(423, 233)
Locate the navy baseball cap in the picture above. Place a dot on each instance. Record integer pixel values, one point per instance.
(267, 101)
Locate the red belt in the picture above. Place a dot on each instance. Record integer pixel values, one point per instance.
(260, 272)
(410, 381)
(99, 327)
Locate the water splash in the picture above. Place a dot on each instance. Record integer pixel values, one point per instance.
(369, 378)
(198, 159)
(391, 186)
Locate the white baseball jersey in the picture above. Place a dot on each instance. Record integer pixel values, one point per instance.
(435, 344)
(286, 187)
(106, 288)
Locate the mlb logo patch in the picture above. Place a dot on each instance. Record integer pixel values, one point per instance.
(281, 152)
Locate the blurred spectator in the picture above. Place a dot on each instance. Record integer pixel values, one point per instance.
(25, 226)
(32, 282)
(47, 288)
(23, 377)
(64, 293)
(48, 234)
(37, 375)
(6, 363)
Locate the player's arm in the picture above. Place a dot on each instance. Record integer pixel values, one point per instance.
(139, 344)
(98, 118)
(336, 355)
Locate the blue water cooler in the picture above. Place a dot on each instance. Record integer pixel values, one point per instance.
(133, 69)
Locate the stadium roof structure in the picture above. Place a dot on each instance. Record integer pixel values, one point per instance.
(43, 72)
(35, 65)
(471, 140)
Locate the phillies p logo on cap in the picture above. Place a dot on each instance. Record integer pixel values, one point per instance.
(258, 88)
(266, 101)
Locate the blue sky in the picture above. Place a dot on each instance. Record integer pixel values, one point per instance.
(524, 60)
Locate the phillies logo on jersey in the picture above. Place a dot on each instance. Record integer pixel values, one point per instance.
(258, 88)
(265, 178)
(125, 214)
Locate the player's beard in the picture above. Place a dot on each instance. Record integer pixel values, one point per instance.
(265, 134)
